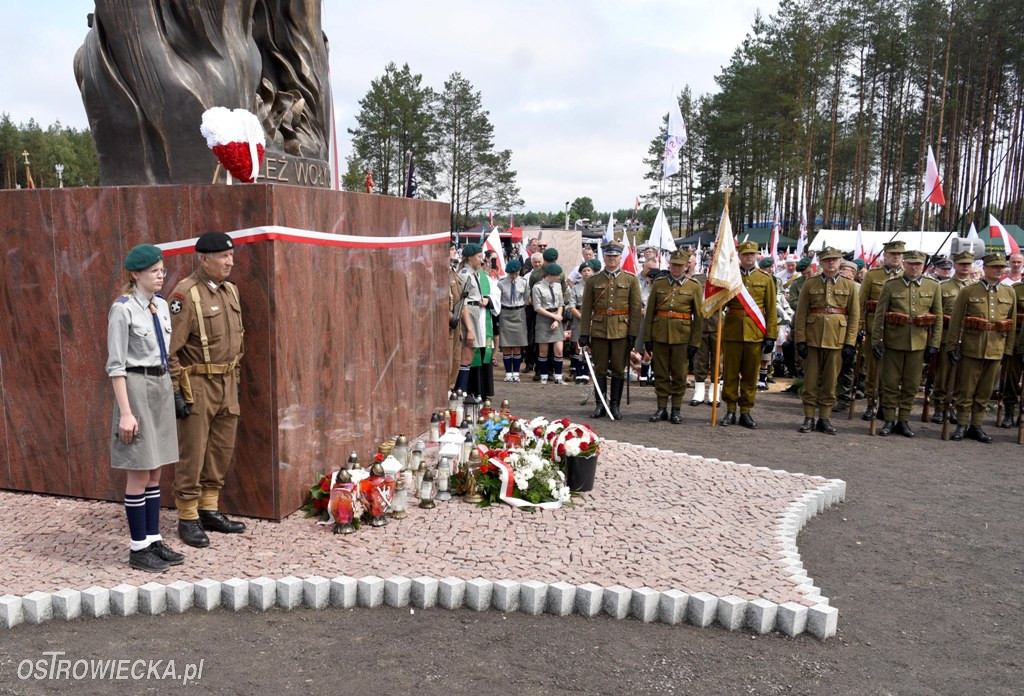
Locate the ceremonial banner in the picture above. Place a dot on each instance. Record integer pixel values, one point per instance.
(725, 281)
(674, 142)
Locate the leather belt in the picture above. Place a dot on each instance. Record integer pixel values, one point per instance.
(473, 303)
(897, 319)
(674, 315)
(828, 310)
(607, 312)
(982, 324)
(518, 306)
(151, 371)
(870, 305)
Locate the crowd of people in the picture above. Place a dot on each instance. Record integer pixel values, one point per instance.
(843, 329)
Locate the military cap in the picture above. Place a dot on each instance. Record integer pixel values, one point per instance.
(595, 264)
(848, 266)
(513, 266)
(680, 257)
(896, 247)
(212, 242)
(963, 257)
(550, 255)
(747, 248)
(995, 259)
(766, 262)
(859, 263)
(471, 249)
(553, 269)
(914, 257)
(943, 262)
(612, 248)
(829, 253)
(803, 264)
(142, 257)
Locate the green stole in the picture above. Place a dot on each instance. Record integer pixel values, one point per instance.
(483, 355)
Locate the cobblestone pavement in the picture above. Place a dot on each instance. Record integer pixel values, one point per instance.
(657, 519)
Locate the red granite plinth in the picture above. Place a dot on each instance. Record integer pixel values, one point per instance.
(343, 347)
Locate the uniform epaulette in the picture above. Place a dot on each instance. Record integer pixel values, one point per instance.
(122, 299)
(156, 294)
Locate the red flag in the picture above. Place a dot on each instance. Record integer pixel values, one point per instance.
(628, 257)
(932, 181)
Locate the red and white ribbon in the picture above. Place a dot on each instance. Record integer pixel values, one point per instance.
(508, 488)
(292, 234)
(747, 300)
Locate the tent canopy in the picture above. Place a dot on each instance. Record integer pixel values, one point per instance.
(845, 240)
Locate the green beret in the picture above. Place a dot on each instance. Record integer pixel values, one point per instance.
(550, 255)
(803, 264)
(513, 266)
(595, 264)
(471, 249)
(747, 248)
(994, 259)
(859, 263)
(766, 262)
(212, 242)
(142, 257)
(553, 269)
(829, 253)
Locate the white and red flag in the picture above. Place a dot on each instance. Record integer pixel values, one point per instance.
(725, 281)
(236, 138)
(629, 256)
(674, 142)
(773, 242)
(801, 242)
(997, 231)
(933, 182)
(493, 243)
(859, 252)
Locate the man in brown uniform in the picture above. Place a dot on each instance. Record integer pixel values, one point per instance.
(984, 325)
(904, 336)
(870, 289)
(206, 347)
(963, 265)
(1010, 387)
(454, 332)
(609, 321)
(825, 331)
(672, 332)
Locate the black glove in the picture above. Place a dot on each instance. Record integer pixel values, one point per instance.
(691, 353)
(849, 355)
(181, 409)
(860, 336)
(631, 340)
(1020, 358)
(768, 345)
(954, 356)
(649, 346)
(929, 353)
(877, 350)
(801, 350)
(584, 341)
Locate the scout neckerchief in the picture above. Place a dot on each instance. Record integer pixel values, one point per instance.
(484, 355)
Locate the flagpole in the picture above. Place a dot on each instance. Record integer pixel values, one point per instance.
(718, 339)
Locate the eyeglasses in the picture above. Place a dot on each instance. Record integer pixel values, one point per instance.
(158, 271)
(542, 246)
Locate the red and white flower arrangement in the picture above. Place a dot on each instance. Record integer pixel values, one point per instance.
(237, 139)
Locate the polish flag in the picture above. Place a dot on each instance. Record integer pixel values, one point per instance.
(932, 181)
(628, 256)
(996, 229)
(725, 281)
(493, 243)
(773, 243)
(858, 245)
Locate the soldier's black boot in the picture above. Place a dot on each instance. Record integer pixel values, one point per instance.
(824, 426)
(191, 532)
(887, 428)
(659, 415)
(938, 416)
(974, 432)
(728, 419)
(215, 521)
(600, 387)
(1009, 421)
(952, 417)
(958, 434)
(904, 428)
(869, 412)
(616, 399)
(677, 417)
(808, 425)
(747, 421)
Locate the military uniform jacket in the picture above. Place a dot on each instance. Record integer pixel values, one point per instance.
(793, 287)
(916, 299)
(222, 322)
(871, 290)
(710, 324)
(611, 306)
(949, 289)
(978, 303)
(827, 314)
(673, 311)
(738, 325)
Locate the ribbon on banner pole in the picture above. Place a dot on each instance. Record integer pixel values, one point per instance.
(292, 234)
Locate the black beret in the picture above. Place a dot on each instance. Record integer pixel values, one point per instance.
(212, 242)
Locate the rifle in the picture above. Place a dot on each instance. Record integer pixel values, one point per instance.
(1000, 388)
(856, 379)
(950, 383)
(930, 379)
(873, 428)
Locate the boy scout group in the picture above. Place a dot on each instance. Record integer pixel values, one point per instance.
(899, 320)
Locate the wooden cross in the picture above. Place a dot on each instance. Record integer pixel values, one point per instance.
(24, 154)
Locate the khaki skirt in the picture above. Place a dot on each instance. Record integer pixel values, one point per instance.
(543, 333)
(156, 443)
(513, 327)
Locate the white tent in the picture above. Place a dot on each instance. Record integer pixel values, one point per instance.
(928, 242)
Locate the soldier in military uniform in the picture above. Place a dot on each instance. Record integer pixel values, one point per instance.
(984, 324)
(870, 289)
(672, 332)
(205, 350)
(949, 289)
(743, 340)
(609, 320)
(825, 330)
(1010, 387)
(847, 388)
(703, 361)
(904, 337)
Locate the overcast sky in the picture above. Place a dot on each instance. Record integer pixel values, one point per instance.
(576, 89)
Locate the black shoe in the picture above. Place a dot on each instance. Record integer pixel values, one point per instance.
(166, 553)
(958, 434)
(146, 559)
(728, 419)
(1008, 420)
(747, 421)
(616, 397)
(216, 522)
(952, 418)
(939, 416)
(807, 426)
(659, 415)
(974, 432)
(887, 428)
(536, 377)
(191, 532)
(824, 426)
(869, 413)
(677, 417)
(904, 428)
(600, 387)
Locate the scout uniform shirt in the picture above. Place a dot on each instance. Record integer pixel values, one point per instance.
(131, 313)
(611, 305)
(871, 289)
(673, 311)
(907, 310)
(738, 325)
(987, 317)
(827, 314)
